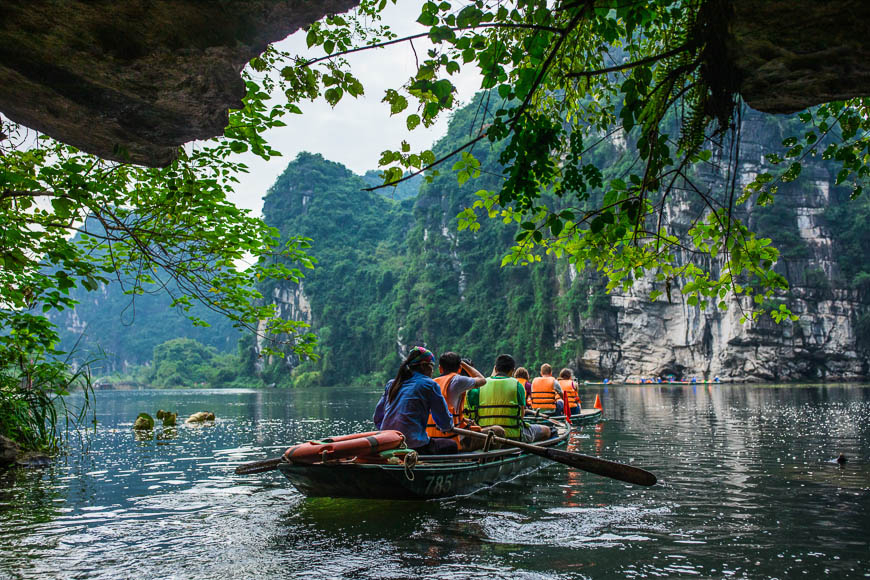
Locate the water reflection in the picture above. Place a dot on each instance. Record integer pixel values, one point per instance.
(747, 490)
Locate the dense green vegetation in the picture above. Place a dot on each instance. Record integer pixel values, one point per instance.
(116, 331)
(359, 253)
(559, 79)
(184, 362)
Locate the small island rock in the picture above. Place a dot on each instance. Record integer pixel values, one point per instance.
(143, 422)
(167, 418)
(200, 417)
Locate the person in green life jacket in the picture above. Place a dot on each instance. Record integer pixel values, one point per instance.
(501, 401)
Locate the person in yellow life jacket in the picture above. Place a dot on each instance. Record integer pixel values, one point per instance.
(501, 401)
(569, 387)
(546, 392)
(457, 378)
(522, 375)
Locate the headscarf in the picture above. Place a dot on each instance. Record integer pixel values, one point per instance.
(419, 355)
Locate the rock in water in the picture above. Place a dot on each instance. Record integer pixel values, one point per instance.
(33, 459)
(9, 450)
(200, 417)
(143, 422)
(167, 418)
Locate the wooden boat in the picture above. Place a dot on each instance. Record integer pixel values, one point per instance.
(429, 477)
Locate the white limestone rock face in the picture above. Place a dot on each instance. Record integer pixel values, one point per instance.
(653, 338)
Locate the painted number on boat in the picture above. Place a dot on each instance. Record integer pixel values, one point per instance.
(439, 483)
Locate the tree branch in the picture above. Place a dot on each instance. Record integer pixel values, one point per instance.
(425, 34)
(633, 64)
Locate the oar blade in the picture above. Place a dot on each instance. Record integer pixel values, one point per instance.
(588, 463)
(603, 467)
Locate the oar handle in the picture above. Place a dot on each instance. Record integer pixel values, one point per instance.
(603, 467)
(258, 466)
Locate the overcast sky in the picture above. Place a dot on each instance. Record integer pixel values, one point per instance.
(356, 131)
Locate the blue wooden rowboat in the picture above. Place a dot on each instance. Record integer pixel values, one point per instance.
(420, 477)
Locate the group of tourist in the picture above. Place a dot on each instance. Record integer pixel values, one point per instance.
(425, 410)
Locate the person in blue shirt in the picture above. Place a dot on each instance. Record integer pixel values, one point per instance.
(409, 399)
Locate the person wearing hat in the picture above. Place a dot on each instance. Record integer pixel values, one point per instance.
(409, 399)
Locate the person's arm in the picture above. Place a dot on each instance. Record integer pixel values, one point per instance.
(460, 385)
(479, 379)
(438, 408)
(379, 410)
(558, 387)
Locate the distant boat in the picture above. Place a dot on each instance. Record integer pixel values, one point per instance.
(586, 417)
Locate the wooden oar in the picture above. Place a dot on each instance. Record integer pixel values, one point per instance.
(588, 463)
(259, 466)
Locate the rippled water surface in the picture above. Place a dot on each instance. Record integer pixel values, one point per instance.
(747, 490)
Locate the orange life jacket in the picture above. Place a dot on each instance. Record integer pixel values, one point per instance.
(543, 393)
(568, 388)
(431, 428)
(527, 386)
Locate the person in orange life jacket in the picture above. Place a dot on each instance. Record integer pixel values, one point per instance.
(522, 375)
(546, 392)
(501, 401)
(569, 387)
(457, 378)
(409, 399)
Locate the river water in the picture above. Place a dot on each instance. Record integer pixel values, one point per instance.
(746, 489)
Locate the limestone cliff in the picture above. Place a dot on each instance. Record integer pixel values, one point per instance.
(636, 337)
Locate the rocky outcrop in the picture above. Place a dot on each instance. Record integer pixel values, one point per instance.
(200, 417)
(131, 81)
(9, 451)
(11, 454)
(792, 54)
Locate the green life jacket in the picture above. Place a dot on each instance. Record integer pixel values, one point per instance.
(498, 405)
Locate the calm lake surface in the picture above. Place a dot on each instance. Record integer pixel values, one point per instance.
(747, 490)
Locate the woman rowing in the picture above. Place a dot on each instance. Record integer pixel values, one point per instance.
(408, 401)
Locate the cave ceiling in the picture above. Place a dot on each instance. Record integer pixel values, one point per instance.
(133, 80)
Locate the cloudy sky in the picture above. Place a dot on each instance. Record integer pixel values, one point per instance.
(356, 131)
